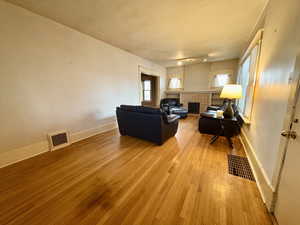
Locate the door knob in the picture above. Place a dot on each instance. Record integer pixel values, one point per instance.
(293, 134)
(285, 133)
(289, 133)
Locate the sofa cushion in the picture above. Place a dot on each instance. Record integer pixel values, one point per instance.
(170, 101)
(209, 114)
(178, 110)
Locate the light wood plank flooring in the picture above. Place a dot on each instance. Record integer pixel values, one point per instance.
(113, 180)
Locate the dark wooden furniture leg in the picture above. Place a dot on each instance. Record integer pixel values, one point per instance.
(213, 139)
(229, 142)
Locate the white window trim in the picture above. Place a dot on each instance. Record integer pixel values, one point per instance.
(216, 72)
(178, 76)
(256, 41)
(170, 80)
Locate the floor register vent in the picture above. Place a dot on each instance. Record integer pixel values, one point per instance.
(239, 166)
(58, 140)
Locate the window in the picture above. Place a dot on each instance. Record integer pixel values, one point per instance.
(247, 77)
(147, 90)
(175, 83)
(243, 80)
(221, 79)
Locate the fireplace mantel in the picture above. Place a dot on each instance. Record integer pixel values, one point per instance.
(193, 92)
(204, 97)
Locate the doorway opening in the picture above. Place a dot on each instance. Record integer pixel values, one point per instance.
(149, 90)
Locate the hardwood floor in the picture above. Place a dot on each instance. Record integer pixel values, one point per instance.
(113, 180)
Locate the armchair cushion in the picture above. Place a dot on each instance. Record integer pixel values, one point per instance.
(171, 102)
(171, 118)
(173, 106)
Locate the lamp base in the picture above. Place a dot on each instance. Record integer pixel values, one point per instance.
(229, 113)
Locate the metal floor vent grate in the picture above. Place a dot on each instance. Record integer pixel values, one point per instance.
(239, 166)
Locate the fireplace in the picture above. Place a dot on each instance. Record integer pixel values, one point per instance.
(194, 107)
(204, 98)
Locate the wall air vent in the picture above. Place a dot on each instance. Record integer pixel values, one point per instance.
(58, 140)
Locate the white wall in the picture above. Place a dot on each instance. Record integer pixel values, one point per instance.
(53, 77)
(225, 65)
(271, 96)
(198, 76)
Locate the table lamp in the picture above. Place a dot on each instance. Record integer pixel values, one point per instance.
(230, 91)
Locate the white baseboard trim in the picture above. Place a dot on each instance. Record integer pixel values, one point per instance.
(19, 154)
(81, 135)
(263, 183)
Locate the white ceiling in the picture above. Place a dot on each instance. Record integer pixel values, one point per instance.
(160, 30)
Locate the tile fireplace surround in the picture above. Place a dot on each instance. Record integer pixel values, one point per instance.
(203, 97)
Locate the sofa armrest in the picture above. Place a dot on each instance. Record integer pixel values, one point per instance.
(209, 114)
(213, 107)
(168, 129)
(172, 118)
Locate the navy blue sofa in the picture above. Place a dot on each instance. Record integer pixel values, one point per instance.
(147, 123)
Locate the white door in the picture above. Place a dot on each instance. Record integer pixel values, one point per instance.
(287, 208)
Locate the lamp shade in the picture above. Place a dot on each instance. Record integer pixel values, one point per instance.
(231, 91)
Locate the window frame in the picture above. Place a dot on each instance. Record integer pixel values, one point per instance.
(144, 90)
(219, 72)
(246, 109)
(176, 88)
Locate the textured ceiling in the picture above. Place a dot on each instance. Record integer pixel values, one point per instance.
(159, 30)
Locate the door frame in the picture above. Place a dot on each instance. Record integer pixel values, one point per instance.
(153, 80)
(148, 71)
